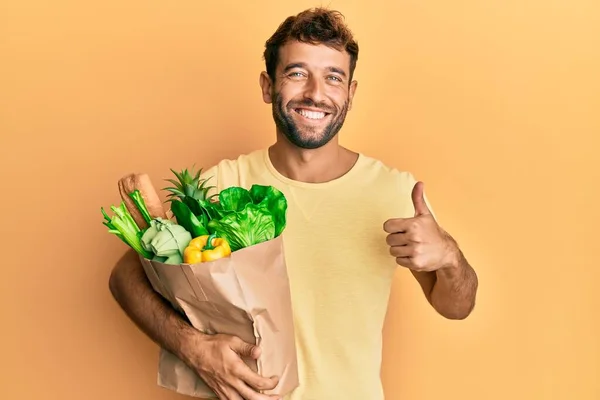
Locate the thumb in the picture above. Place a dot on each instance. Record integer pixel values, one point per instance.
(246, 349)
(419, 200)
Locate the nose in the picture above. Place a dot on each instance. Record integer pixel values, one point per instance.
(314, 89)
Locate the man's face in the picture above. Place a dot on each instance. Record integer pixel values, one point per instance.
(311, 93)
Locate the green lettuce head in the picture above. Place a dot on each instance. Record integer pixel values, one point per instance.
(249, 217)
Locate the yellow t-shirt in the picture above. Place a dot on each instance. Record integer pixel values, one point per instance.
(339, 267)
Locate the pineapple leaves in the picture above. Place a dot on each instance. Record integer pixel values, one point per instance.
(188, 184)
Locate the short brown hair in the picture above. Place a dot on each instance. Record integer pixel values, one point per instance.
(314, 26)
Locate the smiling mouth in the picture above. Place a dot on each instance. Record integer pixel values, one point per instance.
(312, 115)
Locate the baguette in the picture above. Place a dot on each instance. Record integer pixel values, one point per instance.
(141, 182)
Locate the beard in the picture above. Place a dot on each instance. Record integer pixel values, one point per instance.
(307, 137)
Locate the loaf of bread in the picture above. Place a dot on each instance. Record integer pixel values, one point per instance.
(141, 182)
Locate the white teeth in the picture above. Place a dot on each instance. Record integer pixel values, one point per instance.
(311, 114)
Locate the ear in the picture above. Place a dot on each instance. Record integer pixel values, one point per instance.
(266, 86)
(351, 92)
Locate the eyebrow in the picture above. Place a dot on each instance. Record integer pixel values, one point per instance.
(303, 65)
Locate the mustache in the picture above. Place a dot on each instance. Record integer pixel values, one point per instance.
(310, 103)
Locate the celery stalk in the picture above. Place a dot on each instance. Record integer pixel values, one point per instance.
(124, 227)
(139, 202)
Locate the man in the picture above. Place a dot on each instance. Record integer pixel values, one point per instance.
(351, 222)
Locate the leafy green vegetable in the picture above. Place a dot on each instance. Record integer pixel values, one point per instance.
(139, 202)
(234, 199)
(211, 210)
(243, 217)
(245, 228)
(124, 227)
(274, 201)
(248, 217)
(187, 218)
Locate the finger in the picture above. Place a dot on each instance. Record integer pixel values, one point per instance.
(255, 380)
(397, 239)
(248, 394)
(407, 262)
(220, 390)
(418, 200)
(222, 394)
(404, 251)
(231, 394)
(411, 237)
(245, 349)
(397, 225)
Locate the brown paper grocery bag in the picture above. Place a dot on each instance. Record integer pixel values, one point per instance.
(247, 295)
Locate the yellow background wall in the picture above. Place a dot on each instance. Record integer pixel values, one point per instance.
(494, 104)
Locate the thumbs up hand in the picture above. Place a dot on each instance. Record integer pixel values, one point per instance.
(419, 243)
(418, 200)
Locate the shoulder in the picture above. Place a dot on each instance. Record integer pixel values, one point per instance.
(231, 171)
(393, 186)
(378, 172)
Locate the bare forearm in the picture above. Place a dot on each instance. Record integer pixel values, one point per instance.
(454, 291)
(146, 308)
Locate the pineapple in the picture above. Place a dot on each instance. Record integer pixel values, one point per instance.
(189, 185)
(192, 191)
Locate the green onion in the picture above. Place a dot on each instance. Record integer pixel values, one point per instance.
(124, 227)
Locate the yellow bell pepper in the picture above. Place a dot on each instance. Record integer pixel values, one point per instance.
(206, 248)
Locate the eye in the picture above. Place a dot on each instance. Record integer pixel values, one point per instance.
(335, 78)
(296, 74)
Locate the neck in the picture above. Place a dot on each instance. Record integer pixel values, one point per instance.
(311, 165)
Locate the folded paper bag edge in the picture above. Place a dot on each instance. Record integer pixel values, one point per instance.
(278, 328)
(154, 278)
